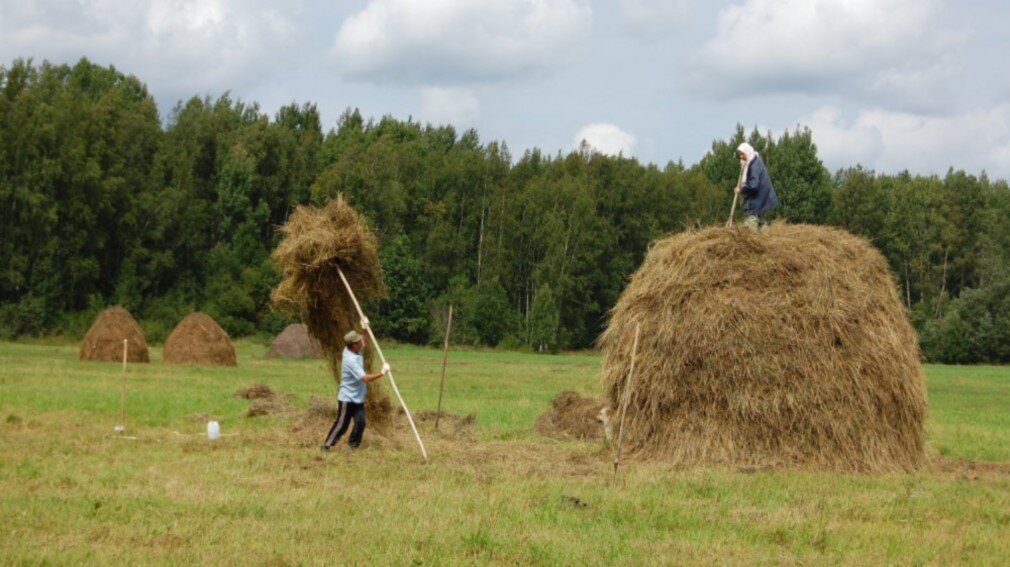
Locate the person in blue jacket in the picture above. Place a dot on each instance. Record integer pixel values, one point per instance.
(353, 387)
(756, 187)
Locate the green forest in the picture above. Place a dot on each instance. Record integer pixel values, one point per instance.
(105, 201)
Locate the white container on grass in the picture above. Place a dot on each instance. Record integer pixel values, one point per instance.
(213, 430)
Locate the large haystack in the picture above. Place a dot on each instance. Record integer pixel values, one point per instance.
(788, 347)
(198, 339)
(316, 242)
(294, 342)
(104, 340)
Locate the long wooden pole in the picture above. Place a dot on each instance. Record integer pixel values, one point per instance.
(122, 392)
(736, 196)
(445, 360)
(624, 402)
(382, 357)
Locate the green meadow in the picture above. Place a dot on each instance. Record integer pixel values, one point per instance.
(74, 492)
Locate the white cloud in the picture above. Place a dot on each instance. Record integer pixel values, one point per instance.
(606, 138)
(656, 17)
(458, 41)
(191, 46)
(883, 49)
(893, 141)
(459, 107)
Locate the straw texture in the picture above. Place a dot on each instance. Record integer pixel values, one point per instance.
(316, 242)
(783, 348)
(104, 339)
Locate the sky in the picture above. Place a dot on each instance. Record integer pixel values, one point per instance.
(892, 85)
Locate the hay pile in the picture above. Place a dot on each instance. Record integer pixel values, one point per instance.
(571, 417)
(104, 340)
(198, 339)
(784, 348)
(294, 342)
(316, 242)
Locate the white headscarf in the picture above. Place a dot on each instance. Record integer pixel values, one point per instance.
(749, 151)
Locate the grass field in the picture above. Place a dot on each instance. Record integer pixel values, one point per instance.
(71, 492)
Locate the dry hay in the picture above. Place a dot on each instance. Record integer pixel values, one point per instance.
(198, 339)
(317, 243)
(788, 347)
(571, 416)
(294, 342)
(104, 340)
(256, 391)
(449, 424)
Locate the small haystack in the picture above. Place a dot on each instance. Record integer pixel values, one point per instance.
(294, 342)
(571, 417)
(198, 339)
(316, 242)
(788, 347)
(104, 340)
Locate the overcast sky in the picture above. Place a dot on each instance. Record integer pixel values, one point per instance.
(891, 84)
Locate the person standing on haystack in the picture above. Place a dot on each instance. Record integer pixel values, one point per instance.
(756, 187)
(353, 386)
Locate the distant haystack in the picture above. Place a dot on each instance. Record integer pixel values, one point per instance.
(788, 347)
(104, 340)
(317, 244)
(294, 342)
(198, 339)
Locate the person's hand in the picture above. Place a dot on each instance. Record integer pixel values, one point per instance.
(364, 323)
(736, 190)
(385, 369)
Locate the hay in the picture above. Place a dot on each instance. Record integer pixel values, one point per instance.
(316, 242)
(571, 416)
(104, 340)
(256, 391)
(294, 342)
(198, 339)
(788, 347)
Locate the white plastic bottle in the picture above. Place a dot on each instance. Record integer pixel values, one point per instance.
(213, 430)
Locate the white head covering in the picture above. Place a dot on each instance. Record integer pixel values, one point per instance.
(749, 151)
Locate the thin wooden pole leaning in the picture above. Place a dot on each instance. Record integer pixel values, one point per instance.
(736, 196)
(403, 404)
(122, 390)
(624, 402)
(445, 360)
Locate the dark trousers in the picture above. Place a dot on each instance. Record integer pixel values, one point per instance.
(346, 411)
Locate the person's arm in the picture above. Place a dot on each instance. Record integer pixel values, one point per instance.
(373, 377)
(753, 180)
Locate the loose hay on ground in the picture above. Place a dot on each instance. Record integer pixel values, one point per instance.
(571, 416)
(788, 347)
(104, 339)
(317, 243)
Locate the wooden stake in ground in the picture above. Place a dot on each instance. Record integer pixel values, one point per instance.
(445, 360)
(382, 357)
(624, 402)
(122, 392)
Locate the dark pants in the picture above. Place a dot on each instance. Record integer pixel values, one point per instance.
(346, 411)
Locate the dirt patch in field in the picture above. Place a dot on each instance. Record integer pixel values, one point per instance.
(972, 470)
(572, 416)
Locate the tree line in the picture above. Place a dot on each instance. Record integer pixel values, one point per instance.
(102, 202)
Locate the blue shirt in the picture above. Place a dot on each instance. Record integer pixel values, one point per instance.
(352, 369)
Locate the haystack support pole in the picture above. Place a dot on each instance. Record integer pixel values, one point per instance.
(736, 196)
(627, 398)
(378, 349)
(122, 394)
(445, 360)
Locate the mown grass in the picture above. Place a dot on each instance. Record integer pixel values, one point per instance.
(72, 492)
